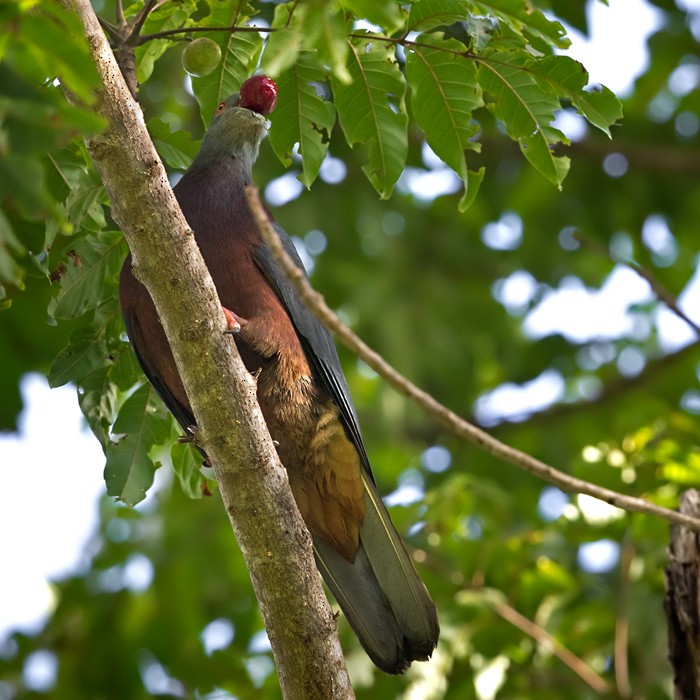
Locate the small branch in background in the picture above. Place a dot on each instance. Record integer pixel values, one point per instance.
(659, 290)
(622, 676)
(612, 390)
(193, 30)
(547, 641)
(435, 409)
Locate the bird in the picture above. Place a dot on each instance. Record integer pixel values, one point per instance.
(301, 389)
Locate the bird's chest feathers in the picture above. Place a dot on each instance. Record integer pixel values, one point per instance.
(267, 340)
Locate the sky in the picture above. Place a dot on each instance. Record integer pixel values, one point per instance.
(48, 506)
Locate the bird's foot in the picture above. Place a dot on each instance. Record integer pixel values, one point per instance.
(191, 436)
(233, 322)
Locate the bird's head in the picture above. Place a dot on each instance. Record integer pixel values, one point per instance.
(239, 123)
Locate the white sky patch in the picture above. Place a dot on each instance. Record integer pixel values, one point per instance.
(517, 401)
(674, 333)
(581, 314)
(50, 480)
(616, 52)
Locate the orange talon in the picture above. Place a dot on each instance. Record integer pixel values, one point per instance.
(232, 323)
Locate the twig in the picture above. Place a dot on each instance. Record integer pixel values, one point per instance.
(191, 30)
(140, 21)
(622, 624)
(661, 292)
(431, 406)
(546, 640)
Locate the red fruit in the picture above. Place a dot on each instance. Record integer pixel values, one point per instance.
(258, 93)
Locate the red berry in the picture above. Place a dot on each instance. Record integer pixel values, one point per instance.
(258, 93)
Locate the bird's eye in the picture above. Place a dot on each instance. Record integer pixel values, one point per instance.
(221, 108)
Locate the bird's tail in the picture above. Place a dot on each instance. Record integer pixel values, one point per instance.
(380, 592)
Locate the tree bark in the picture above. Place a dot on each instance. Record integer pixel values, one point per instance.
(682, 604)
(253, 483)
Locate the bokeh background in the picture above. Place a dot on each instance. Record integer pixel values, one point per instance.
(519, 314)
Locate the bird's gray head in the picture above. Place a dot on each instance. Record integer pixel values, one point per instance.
(235, 131)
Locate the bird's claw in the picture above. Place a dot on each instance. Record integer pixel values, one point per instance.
(233, 323)
(190, 437)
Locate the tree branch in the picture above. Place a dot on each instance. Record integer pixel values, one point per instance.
(432, 407)
(547, 641)
(253, 483)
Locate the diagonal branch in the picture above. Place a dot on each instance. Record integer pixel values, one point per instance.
(547, 641)
(434, 408)
(662, 294)
(254, 485)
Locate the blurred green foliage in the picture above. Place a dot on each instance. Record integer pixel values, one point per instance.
(424, 284)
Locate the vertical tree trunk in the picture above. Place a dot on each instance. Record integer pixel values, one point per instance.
(254, 486)
(682, 605)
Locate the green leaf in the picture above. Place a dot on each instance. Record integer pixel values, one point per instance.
(328, 36)
(425, 15)
(317, 27)
(175, 148)
(10, 250)
(283, 46)
(600, 107)
(89, 274)
(98, 399)
(187, 464)
(525, 109)
(302, 117)
(387, 14)
(58, 30)
(129, 470)
(523, 18)
(88, 348)
(239, 56)
(445, 92)
(568, 78)
(371, 111)
(168, 16)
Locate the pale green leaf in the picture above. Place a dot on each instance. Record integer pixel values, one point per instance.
(599, 106)
(283, 46)
(187, 464)
(139, 427)
(388, 14)
(302, 117)
(372, 112)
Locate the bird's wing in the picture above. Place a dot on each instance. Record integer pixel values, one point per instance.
(315, 339)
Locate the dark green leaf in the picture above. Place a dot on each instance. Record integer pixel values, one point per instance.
(425, 15)
(175, 148)
(372, 111)
(525, 109)
(445, 94)
(89, 274)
